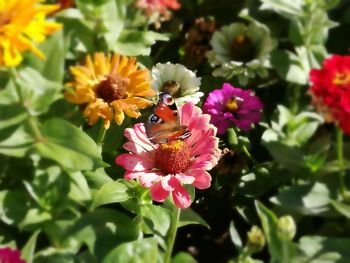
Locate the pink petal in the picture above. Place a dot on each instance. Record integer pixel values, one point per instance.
(187, 112)
(134, 148)
(180, 195)
(165, 183)
(158, 193)
(204, 146)
(133, 162)
(148, 178)
(185, 178)
(203, 162)
(138, 136)
(202, 178)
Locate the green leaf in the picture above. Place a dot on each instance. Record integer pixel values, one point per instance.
(157, 218)
(284, 7)
(38, 92)
(11, 115)
(183, 257)
(324, 250)
(342, 208)
(79, 188)
(112, 192)
(288, 156)
(236, 239)
(27, 251)
(308, 199)
(14, 140)
(52, 67)
(140, 251)
(14, 206)
(97, 179)
(189, 217)
(290, 66)
(103, 229)
(69, 146)
(269, 224)
(136, 43)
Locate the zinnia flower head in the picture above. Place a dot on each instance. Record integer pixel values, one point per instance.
(110, 87)
(230, 105)
(159, 6)
(158, 10)
(164, 168)
(178, 81)
(8, 255)
(330, 90)
(22, 25)
(241, 50)
(197, 40)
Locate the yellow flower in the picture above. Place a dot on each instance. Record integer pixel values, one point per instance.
(110, 86)
(22, 25)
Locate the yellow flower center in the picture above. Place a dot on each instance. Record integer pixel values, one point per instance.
(231, 105)
(173, 157)
(113, 88)
(341, 78)
(171, 87)
(242, 49)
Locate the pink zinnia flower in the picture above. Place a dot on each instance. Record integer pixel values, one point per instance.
(231, 105)
(7, 255)
(160, 6)
(164, 168)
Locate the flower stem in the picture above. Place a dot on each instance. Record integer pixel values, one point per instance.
(101, 135)
(339, 147)
(172, 234)
(32, 120)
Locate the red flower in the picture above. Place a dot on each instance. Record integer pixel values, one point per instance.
(330, 90)
(7, 255)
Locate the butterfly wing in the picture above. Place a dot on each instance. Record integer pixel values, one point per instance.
(163, 125)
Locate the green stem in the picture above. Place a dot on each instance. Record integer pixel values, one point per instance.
(296, 91)
(339, 147)
(250, 157)
(101, 136)
(32, 120)
(172, 234)
(285, 252)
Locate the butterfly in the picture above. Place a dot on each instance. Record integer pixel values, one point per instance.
(164, 125)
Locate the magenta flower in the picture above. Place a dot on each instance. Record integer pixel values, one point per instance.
(232, 105)
(7, 255)
(164, 168)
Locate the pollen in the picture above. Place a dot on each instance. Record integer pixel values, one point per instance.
(231, 105)
(173, 157)
(341, 78)
(112, 88)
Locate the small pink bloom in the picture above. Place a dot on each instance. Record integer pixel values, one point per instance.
(161, 8)
(8, 255)
(230, 105)
(165, 168)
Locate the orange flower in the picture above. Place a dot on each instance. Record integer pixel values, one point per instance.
(110, 86)
(22, 24)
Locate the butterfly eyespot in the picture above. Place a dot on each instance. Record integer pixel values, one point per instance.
(167, 99)
(155, 119)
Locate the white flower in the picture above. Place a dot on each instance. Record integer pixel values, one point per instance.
(241, 51)
(177, 80)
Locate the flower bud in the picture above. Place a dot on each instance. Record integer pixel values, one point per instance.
(256, 240)
(286, 228)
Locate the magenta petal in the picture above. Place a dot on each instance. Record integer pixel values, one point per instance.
(158, 193)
